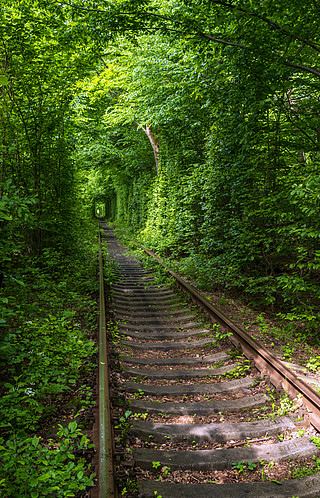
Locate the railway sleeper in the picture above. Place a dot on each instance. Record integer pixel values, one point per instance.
(220, 459)
(306, 487)
(186, 360)
(219, 432)
(149, 336)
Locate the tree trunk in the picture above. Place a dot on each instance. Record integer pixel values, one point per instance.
(154, 143)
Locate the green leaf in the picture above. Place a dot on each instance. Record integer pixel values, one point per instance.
(4, 80)
(35, 441)
(5, 216)
(72, 426)
(44, 477)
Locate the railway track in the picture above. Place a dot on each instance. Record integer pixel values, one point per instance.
(194, 416)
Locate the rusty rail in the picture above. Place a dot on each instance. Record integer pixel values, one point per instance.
(106, 461)
(265, 361)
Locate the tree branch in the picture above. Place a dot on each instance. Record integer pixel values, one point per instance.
(148, 131)
(297, 52)
(165, 18)
(303, 68)
(193, 30)
(102, 60)
(271, 23)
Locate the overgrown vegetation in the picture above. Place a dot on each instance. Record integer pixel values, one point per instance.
(232, 197)
(47, 355)
(172, 121)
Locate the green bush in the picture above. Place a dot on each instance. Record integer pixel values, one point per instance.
(31, 468)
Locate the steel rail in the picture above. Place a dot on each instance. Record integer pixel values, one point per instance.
(106, 462)
(268, 364)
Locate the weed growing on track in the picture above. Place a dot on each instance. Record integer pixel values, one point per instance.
(143, 416)
(242, 467)
(313, 364)
(306, 470)
(123, 427)
(138, 395)
(241, 370)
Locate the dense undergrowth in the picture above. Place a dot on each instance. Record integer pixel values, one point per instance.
(47, 359)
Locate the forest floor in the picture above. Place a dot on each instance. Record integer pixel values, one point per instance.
(290, 346)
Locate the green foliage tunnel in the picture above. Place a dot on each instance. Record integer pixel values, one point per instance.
(194, 126)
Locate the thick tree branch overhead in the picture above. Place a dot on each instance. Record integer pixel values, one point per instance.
(237, 25)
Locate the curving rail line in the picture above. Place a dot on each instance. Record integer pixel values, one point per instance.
(268, 364)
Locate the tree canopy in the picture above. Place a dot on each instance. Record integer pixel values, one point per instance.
(196, 124)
